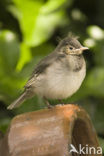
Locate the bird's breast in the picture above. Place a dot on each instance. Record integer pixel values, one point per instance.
(61, 80)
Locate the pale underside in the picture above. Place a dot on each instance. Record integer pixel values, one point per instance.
(58, 82)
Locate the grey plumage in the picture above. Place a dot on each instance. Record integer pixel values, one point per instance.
(58, 75)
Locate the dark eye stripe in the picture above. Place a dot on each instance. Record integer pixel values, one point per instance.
(71, 48)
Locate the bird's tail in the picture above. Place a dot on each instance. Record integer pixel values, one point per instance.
(18, 101)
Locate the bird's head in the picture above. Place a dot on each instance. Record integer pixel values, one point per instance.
(71, 46)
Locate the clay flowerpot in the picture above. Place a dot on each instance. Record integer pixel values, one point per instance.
(50, 132)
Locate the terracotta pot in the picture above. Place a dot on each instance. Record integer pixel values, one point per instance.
(49, 132)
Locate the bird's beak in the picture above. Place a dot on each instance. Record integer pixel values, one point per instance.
(80, 50)
(84, 48)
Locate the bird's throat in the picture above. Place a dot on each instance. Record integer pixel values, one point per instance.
(77, 62)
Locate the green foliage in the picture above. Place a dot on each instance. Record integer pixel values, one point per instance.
(37, 19)
(29, 29)
(9, 56)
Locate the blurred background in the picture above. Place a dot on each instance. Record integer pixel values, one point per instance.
(29, 30)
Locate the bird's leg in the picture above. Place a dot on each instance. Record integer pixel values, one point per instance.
(47, 103)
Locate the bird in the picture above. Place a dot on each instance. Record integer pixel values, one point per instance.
(58, 75)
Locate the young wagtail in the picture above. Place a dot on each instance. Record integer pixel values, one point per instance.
(57, 76)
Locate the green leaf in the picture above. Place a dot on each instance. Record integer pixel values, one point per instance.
(45, 26)
(25, 56)
(36, 24)
(10, 80)
(9, 50)
(53, 5)
(27, 12)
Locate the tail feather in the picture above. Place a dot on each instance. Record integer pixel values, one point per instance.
(18, 101)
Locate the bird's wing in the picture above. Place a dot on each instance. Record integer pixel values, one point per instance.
(42, 66)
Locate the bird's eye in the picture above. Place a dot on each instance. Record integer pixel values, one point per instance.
(71, 48)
